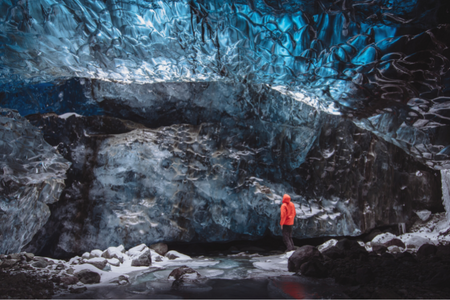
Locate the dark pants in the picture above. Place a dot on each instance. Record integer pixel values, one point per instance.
(287, 237)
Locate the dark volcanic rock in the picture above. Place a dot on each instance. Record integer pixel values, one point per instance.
(443, 251)
(301, 256)
(426, 250)
(313, 268)
(87, 276)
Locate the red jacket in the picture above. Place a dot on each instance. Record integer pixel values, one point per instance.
(287, 211)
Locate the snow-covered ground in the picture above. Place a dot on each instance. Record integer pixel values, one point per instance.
(119, 280)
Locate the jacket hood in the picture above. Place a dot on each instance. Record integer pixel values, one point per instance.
(286, 198)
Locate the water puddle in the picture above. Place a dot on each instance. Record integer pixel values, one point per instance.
(264, 277)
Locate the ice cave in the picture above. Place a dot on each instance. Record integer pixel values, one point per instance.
(147, 145)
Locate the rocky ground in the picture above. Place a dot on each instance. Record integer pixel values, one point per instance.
(385, 265)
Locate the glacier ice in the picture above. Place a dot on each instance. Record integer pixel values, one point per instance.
(32, 176)
(385, 65)
(130, 184)
(240, 91)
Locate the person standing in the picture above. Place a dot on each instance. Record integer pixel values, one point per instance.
(287, 221)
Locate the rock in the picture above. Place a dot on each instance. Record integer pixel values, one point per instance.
(77, 289)
(387, 239)
(393, 249)
(385, 293)
(172, 256)
(136, 250)
(313, 268)
(160, 248)
(424, 214)
(414, 241)
(327, 245)
(441, 279)
(42, 263)
(302, 255)
(75, 260)
(95, 253)
(333, 253)
(70, 271)
(28, 256)
(181, 271)
(69, 280)
(87, 276)
(364, 275)
(8, 263)
(114, 262)
(426, 251)
(13, 256)
(443, 251)
(379, 249)
(98, 262)
(114, 252)
(140, 256)
(405, 257)
(86, 255)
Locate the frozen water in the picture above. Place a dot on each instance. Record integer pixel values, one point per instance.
(445, 176)
(386, 65)
(212, 182)
(32, 176)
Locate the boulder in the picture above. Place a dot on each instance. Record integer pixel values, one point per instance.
(28, 256)
(345, 247)
(140, 256)
(426, 250)
(98, 262)
(302, 255)
(414, 241)
(387, 239)
(171, 256)
(8, 263)
(379, 249)
(182, 271)
(41, 263)
(69, 280)
(188, 279)
(333, 253)
(114, 252)
(443, 251)
(160, 248)
(87, 276)
(313, 268)
(364, 275)
(327, 245)
(14, 256)
(114, 262)
(95, 253)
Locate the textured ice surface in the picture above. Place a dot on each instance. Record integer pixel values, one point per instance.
(386, 63)
(32, 176)
(210, 183)
(445, 176)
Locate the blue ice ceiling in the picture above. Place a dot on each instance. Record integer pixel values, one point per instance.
(383, 63)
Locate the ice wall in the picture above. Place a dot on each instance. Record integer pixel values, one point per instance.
(213, 182)
(32, 176)
(445, 175)
(384, 63)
